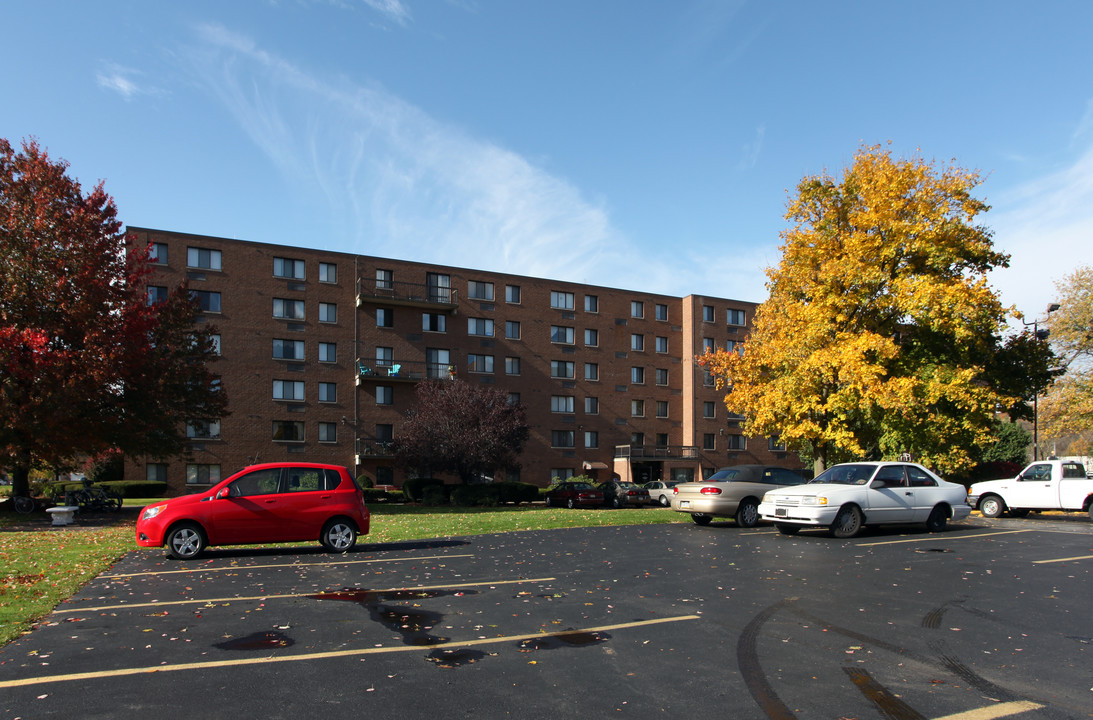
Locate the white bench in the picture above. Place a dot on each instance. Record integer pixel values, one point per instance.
(63, 514)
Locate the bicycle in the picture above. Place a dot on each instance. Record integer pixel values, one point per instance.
(23, 504)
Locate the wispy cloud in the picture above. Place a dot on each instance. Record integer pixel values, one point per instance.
(121, 79)
(391, 9)
(751, 151)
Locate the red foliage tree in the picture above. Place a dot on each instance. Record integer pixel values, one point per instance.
(86, 364)
(464, 429)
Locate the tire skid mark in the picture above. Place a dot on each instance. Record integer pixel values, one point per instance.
(888, 704)
(747, 659)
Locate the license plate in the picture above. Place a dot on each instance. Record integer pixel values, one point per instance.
(685, 503)
(780, 512)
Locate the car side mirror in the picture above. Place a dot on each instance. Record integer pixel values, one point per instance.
(222, 493)
(880, 483)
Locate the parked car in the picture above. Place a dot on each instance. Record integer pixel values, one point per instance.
(275, 502)
(573, 494)
(623, 494)
(660, 492)
(731, 492)
(846, 497)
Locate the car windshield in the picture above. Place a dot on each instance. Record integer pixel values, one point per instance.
(846, 475)
(724, 475)
(581, 486)
(629, 486)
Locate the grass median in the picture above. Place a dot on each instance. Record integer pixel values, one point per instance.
(43, 565)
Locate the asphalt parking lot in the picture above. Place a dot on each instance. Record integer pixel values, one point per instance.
(988, 619)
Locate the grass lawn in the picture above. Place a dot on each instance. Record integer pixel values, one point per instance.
(42, 566)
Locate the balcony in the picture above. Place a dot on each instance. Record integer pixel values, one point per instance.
(389, 292)
(373, 449)
(402, 371)
(666, 452)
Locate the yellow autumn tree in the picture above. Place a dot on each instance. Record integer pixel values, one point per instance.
(1067, 409)
(880, 335)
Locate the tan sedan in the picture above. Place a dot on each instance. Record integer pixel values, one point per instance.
(731, 492)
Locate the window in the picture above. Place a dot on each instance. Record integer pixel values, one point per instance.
(708, 409)
(480, 363)
(288, 349)
(480, 326)
(737, 442)
(707, 378)
(438, 363)
(561, 369)
(637, 438)
(202, 474)
(477, 290)
(662, 344)
(385, 356)
(288, 309)
(157, 254)
(512, 366)
(662, 408)
(207, 301)
(156, 472)
(328, 352)
(637, 309)
(775, 445)
(591, 338)
(592, 405)
(707, 313)
(328, 432)
(202, 258)
(385, 432)
(662, 312)
(203, 430)
(384, 280)
(328, 392)
(637, 342)
(637, 408)
(561, 300)
(288, 431)
(512, 294)
(288, 389)
(708, 345)
(385, 395)
(731, 345)
(592, 303)
(512, 329)
(434, 322)
(591, 371)
(214, 343)
(637, 375)
(709, 441)
(560, 334)
(156, 294)
(735, 317)
(328, 312)
(385, 317)
(328, 272)
(561, 404)
(514, 398)
(591, 439)
(561, 438)
(287, 268)
(440, 287)
(662, 440)
(560, 474)
(662, 376)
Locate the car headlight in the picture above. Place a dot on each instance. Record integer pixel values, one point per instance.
(151, 512)
(814, 500)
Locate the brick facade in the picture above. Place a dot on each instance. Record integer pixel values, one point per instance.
(608, 376)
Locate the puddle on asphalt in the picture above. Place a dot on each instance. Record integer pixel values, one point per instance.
(257, 641)
(360, 595)
(570, 639)
(413, 624)
(940, 550)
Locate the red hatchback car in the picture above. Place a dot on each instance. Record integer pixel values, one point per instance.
(275, 502)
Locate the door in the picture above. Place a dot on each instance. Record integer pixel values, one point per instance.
(891, 500)
(247, 514)
(1033, 489)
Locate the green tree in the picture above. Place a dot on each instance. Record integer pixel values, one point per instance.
(880, 334)
(468, 430)
(1011, 444)
(87, 365)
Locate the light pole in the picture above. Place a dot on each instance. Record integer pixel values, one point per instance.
(1039, 335)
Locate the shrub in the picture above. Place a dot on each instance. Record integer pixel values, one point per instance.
(435, 494)
(371, 495)
(987, 471)
(414, 487)
(365, 482)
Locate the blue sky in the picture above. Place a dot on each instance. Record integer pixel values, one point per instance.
(628, 143)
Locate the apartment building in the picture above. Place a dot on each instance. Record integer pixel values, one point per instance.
(320, 353)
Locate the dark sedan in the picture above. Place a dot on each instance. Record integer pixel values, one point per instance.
(624, 494)
(573, 494)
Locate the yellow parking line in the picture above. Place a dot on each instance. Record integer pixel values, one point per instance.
(209, 601)
(1076, 557)
(990, 712)
(123, 672)
(947, 536)
(278, 565)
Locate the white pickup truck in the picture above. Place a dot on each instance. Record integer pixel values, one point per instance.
(1043, 485)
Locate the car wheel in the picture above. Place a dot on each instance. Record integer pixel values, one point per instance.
(571, 503)
(848, 522)
(664, 501)
(549, 501)
(698, 519)
(1018, 513)
(185, 541)
(339, 535)
(615, 503)
(787, 528)
(747, 513)
(937, 519)
(991, 506)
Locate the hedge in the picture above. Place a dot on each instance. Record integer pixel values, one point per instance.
(414, 487)
(125, 488)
